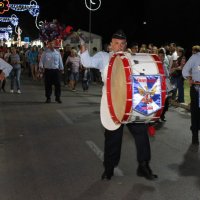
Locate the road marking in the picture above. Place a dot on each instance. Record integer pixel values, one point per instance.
(65, 117)
(99, 153)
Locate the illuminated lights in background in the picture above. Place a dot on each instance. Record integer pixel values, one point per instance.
(4, 36)
(92, 6)
(13, 19)
(5, 32)
(4, 6)
(7, 29)
(33, 8)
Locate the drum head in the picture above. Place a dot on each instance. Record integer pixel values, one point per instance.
(118, 88)
(106, 119)
(119, 91)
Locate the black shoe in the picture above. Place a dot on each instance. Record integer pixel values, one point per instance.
(48, 100)
(107, 174)
(163, 118)
(145, 171)
(195, 139)
(58, 100)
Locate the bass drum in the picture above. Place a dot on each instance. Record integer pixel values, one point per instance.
(135, 90)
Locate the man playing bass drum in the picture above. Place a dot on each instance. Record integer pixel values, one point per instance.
(113, 138)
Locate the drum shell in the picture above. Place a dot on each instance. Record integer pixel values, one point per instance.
(137, 65)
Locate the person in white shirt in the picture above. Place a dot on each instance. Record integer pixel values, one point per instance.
(52, 65)
(113, 138)
(191, 71)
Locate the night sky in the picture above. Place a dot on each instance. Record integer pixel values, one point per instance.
(166, 21)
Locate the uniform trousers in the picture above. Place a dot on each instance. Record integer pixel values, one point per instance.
(113, 143)
(52, 77)
(195, 110)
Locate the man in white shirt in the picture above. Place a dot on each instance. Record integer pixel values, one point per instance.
(191, 71)
(52, 65)
(113, 138)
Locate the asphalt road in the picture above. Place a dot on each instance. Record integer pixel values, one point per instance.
(55, 151)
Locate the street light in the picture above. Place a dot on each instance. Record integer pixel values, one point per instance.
(92, 6)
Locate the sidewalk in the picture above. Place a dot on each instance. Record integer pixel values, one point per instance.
(181, 105)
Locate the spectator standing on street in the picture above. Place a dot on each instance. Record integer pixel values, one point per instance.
(67, 69)
(33, 61)
(15, 74)
(191, 71)
(181, 60)
(74, 62)
(51, 63)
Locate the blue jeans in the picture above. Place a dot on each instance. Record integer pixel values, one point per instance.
(15, 73)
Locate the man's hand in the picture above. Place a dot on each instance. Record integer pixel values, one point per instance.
(2, 76)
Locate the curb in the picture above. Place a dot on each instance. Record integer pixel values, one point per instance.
(181, 105)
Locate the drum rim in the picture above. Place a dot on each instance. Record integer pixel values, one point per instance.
(163, 83)
(128, 106)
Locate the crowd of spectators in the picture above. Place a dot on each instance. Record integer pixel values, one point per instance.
(74, 72)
